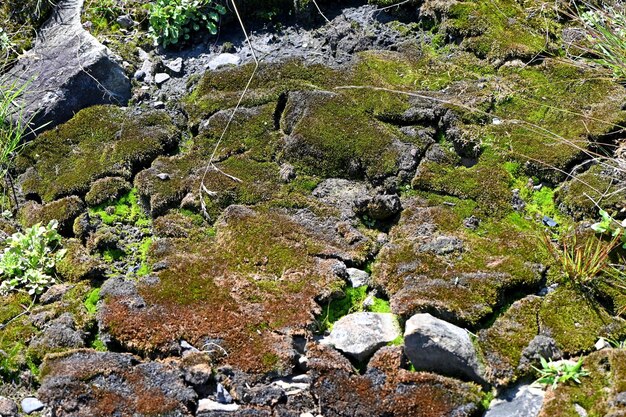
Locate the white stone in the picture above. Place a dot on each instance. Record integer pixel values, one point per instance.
(222, 60)
(361, 334)
(358, 277)
(210, 405)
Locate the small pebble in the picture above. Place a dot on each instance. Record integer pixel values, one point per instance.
(161, 78)
(163, 176)
(31, 404)
(158, 105)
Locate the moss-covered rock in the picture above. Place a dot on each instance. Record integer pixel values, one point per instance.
(334, 138)
(501, 29)
(257, 279)
(99, 141)
(106, 190)
(78, 264)
(576, 321)
(431, 264)
(549, 112)
(503, 342)
(599, 185)
(65, 210)
(599, 394)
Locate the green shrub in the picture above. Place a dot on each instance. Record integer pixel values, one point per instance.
(173, 20)
(28, 262)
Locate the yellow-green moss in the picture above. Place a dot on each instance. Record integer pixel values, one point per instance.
(576, 321)
(99, 141)
(503, 28)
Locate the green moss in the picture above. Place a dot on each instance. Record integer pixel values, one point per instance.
(335, 138)
(576, 321)
(125, 209)
(351, 302)
(503, 28)
(543, 125)
(219, 90)
(99, 141)
(487, 183)
(596, 392)
(596, 185)
(92, 299)
(503, 342)
(113, 254)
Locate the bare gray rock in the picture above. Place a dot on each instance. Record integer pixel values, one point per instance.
(358, 277)
(8, 408)
(361, 334)
(519, 401)
(69, 70)
(437, 346)
(223, 60)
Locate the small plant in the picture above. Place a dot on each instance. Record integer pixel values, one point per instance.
(609, 225)
(14, 125)
(605, 30)
(173, 20)
(561, 372)
(28, 262)
(582, 262)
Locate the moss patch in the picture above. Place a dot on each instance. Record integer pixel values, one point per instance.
(256, 276)
(99, 141)
(576, 321)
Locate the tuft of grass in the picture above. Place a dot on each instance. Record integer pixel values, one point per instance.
(14, 126)
(605, 35)
(582, 261)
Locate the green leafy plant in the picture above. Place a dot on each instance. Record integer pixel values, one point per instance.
(173, 20)
(582, 262)
(28, 262)
(561, 372)
(611, 226)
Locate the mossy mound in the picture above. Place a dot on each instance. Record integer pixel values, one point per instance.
(432, 265)
(64, 210)
(599, 185)
(548, 113)
(575, 321)
(99, 141)
(218, 90)
(503, 342)
(333, 138)
(106, 190)
(78, 264)
(501, 29)
(599, 394)
(486, 182)
(249, 287)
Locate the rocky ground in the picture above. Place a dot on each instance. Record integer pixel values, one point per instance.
(366, 242)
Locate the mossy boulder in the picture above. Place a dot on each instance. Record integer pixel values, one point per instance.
(334, 138)
(64, 210)
(78, 264)
(257, 280)
(550, 113)
(99, 141)
(502, 29)
(599, 394)
(503, 342)
(601, 184)
(106, 190)
(576, 320)
(431, 264)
